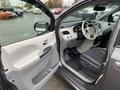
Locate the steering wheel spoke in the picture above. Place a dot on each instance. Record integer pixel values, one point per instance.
(89, 30)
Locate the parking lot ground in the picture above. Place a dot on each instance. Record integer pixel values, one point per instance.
(20, 28)
(57, 83)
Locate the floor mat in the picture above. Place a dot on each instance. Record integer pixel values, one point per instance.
(74, 62)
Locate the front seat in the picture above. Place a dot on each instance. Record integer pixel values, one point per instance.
(93, 59)
(102, 40)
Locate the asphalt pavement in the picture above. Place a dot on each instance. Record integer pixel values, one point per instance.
(21, 28)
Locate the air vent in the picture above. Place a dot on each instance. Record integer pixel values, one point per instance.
(65, 32)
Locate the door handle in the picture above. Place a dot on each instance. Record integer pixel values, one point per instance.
(45, 51)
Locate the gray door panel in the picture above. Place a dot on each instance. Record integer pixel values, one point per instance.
(30, 63)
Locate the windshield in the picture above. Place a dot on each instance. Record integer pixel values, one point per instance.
(89, 13)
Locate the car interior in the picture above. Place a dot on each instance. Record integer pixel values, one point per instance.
(31, 54)
(84, 41)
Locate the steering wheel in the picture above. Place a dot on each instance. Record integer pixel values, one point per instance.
(89, 30)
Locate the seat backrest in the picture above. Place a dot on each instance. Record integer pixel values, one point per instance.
(102, 41)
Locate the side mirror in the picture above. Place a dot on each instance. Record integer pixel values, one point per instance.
(41, 27)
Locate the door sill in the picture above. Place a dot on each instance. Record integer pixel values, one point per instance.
(80, 76)
(71, 78)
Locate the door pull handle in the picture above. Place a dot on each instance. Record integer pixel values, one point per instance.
(45, 51)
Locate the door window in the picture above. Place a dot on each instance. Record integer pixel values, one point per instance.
(20, 21)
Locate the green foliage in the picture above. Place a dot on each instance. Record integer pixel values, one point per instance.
(18, 7)
(5, 3)
(28, 6)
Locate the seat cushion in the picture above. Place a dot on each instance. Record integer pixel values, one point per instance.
(93, 59)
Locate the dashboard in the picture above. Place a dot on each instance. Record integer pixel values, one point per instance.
(69, 35)
(73, 34)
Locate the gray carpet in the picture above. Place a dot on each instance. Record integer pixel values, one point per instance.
(87, 44)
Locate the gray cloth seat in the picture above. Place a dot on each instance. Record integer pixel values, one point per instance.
(93, 59)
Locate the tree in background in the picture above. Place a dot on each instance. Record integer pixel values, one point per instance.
(76, 1)
(5, 3)
(54, 3)
(28, 6)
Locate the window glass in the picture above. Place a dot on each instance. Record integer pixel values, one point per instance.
(20, 21)
(89, 13)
